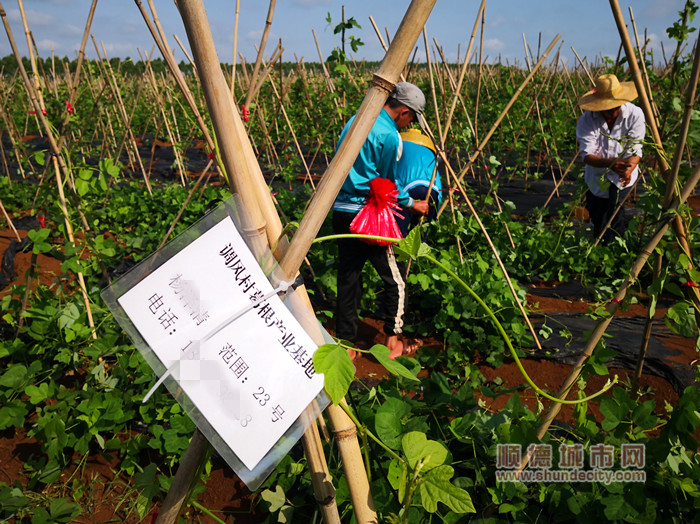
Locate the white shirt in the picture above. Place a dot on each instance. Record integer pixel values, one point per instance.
(624, 140)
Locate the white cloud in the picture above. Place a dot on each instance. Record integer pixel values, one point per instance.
(38, 19)
(493, 45)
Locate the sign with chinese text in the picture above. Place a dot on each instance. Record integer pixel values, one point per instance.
(242, 359)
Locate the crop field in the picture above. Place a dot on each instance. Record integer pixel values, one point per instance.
(534, 335)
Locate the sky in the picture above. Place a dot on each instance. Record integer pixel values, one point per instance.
(586, 26)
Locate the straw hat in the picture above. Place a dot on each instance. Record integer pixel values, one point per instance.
(609, 93)
(415, 136)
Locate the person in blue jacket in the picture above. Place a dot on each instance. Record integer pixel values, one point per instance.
(378, 157)
(416, 169)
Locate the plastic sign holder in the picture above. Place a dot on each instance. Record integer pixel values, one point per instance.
(208, 319)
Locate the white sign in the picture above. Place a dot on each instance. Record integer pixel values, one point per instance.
(250, 375)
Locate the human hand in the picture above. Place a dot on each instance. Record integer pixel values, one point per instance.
(624, 168)
(420, 207)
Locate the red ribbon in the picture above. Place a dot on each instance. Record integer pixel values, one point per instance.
(246, 113)
(69, 107)
(616, 301)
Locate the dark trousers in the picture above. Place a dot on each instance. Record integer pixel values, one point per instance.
(352, 255)
(601, 209)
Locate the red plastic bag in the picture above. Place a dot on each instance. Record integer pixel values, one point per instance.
(377, 215)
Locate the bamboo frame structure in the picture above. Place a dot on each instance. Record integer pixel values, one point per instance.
(228, 127)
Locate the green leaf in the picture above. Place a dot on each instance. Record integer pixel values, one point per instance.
(37, 393)
(387, 421)
(39, 239)
(436, 487)
(333, 361)
(643, 415)
(412, 246)
(63, 511)
(276, 498)
(68, 316)
(12, 414)
(611, 411)
(381, 353)
(144, 481)
(616, 508)
(14, 376)
(418, 449)
(40, 158)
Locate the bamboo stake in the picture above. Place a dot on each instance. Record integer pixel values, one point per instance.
(638, 82)
(643, 68)
(647, 330)
(268, 22)
(515, 96)
(32, 57)
(4, 163)
(184, 204)
(161, 107)
(467, 57)
(189, 58)
(613, 306)
(75, 81)
(31, 93)
(294, 136)
(71, 238)
(235, 150)
(177, 75)
(556, 187)
(457, 95)
(235, 45)
(122, 113)
(9, 222)
(685, 124)
(585, 69)
(478, 76)
(326, 74)
(678, 227)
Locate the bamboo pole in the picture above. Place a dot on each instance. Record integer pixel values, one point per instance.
(639, 83)
(253, 79)
(71, 238)
(186, 472)
(294, 136)
(614, 305)
(678, 226)
(515, 96)
(236, 154)
(235, 45)
(112, 80)
(31, 93)
(685, 124)
(9, 222)
(32, 57)
(177, 74)
(643, 67)
(585, 69)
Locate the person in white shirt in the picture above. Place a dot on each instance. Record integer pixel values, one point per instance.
(610, 134)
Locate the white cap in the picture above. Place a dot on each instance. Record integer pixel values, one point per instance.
(409, 95)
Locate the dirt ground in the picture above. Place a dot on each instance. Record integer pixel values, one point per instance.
(225, 492)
